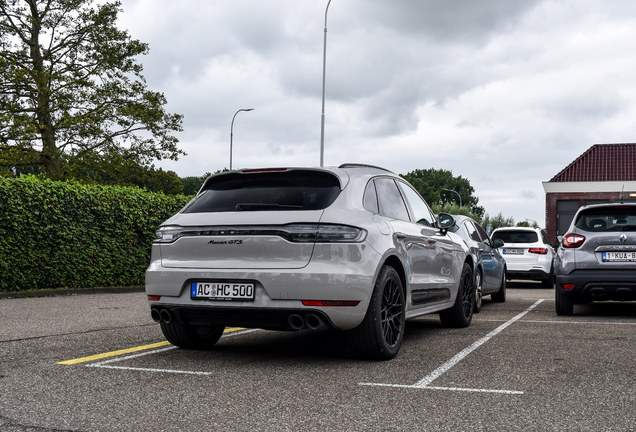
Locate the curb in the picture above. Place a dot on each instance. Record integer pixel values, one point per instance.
(70, 292)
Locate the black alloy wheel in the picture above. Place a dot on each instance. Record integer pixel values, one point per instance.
(500, 296)
(479, 291)
(392, 313)
(461, 313)
(381, 332)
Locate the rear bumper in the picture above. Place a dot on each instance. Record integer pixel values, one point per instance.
(542, 268)
(268, 319)
(532, 274)
(265, 311)
(599, 284)
(336, 273)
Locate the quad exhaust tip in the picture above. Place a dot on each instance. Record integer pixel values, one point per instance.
(155, 315)
(296, 322)
(166, 316)
(313, 322)
(310, 321)
(162, 315)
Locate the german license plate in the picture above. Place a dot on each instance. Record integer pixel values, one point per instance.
(232, 291)
(619, 256)
(513, 251)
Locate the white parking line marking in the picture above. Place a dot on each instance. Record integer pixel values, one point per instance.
(105, 364)
(131, 356)
(154, 370)
(566, 322)
(444, 388)
(424, 382)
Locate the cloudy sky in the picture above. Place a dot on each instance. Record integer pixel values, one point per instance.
(503, 93)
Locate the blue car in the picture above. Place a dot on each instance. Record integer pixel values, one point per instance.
(489, 266)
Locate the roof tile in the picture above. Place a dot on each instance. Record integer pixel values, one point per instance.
(602, 162)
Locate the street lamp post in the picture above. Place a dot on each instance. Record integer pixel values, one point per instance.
(324, 69)
(460, 197)
(232, 131)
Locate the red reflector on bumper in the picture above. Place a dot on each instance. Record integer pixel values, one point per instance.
(154, 298)
(568, 286)
(329, 303)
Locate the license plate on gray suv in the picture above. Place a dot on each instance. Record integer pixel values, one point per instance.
(619, 256)
(222, 291)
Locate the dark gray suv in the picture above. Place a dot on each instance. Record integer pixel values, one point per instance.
(597, 257)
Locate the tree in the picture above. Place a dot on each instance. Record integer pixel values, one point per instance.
(431, 184)
(526, 223)
(72, 93)
(129, 173)
(192, 184)
(455, 209)
(498, 221)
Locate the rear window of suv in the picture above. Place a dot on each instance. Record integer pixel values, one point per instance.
(619, 218)
(516, 236)
(279, 190)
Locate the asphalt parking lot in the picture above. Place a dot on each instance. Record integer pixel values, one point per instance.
(99, 363)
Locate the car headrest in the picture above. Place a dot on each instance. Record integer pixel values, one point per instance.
(597, 224)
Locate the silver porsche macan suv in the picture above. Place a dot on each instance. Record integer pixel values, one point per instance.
(597, 257)
(353, 248)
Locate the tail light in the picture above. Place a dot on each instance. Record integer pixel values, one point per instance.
(330, 303)
(573, 240)
(297, 233)
(540, 251)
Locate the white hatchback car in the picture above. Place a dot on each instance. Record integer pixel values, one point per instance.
(353, 248)
(528, 254)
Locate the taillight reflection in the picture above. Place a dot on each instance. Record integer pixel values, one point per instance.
(573, 240)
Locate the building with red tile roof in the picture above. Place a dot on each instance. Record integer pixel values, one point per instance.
(604, 173)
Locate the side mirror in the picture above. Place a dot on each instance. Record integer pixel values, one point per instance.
(445, 221)
(556, 244)
(497, 243)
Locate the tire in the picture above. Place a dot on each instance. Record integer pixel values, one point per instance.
(479, 291)
(547, 283)
(380, 335)
(564, 303)
(192, 337)
(461, 314)
(500, 296)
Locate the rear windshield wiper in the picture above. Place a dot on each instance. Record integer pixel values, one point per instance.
(629, 228)
(266, 206)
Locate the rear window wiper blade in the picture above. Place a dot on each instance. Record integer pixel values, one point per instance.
(266, 206)
(629, 228)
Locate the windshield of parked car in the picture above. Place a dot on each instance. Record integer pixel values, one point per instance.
(284, 190)
(619, 218)
(516, 236)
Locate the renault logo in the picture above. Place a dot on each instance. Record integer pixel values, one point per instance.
(622, 238)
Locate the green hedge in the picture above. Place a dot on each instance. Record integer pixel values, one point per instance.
(65, 234)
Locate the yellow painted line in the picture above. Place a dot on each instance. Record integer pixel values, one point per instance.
(129, 350)
(114, 353)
